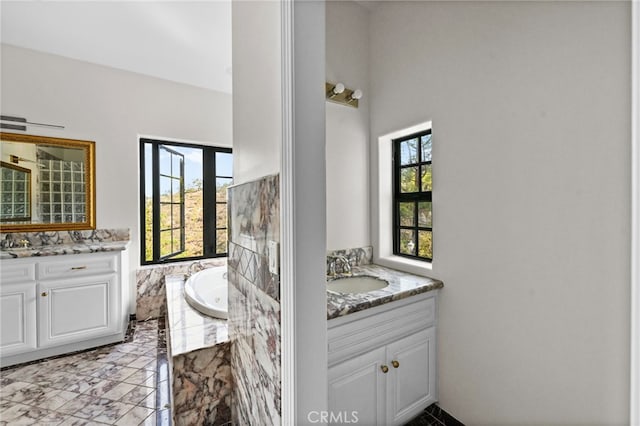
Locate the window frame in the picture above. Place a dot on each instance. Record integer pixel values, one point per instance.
(209, 205)
(414, 197)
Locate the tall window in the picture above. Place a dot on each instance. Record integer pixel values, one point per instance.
(183, 193)
(412, 186)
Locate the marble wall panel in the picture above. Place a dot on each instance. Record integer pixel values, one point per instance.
(254, 302)
(202, 384)
(150, 299)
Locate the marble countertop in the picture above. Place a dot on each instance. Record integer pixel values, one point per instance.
(189, 329)
(401, 285)
(62, 249)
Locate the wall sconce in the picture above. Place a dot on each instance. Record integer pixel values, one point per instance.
(341, 95)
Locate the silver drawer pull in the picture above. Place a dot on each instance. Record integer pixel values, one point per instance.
(77, 268)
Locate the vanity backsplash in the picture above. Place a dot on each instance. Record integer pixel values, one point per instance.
(43, 239)
(50, 243)
(356, 256)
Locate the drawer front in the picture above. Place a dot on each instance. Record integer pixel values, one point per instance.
(75, 266)
(379, 326)
(17, 273)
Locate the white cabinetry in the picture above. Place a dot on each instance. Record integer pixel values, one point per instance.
(55, 305)
(17, 309)
(382, 362)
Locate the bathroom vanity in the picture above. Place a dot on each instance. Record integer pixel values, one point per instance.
(382, 348)
(50, 305)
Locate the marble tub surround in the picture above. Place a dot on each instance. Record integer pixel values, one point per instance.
(254, 302)
(150, 285)
(401, 285)
(52, 243)
(199, 361)
(189, 329)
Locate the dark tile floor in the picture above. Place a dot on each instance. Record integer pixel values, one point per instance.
(433, 415)
(122, 384)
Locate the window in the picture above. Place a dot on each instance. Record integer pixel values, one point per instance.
(412, 186)
(183, 190)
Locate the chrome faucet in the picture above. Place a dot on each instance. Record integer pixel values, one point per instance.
(333, 263)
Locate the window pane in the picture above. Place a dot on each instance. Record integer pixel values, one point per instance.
(424, 214)
(177, 162)
(426, 244)
(165, 243)
(407, 241)
(425, 142)
(177, 240)
(409, 179)
(165, 216)
(176, 218)
(224, 164)
(221, 188)
(165, 187)
(193, 240)
(221, 241)
(407, 214)
(175, 191)
(165, 162)
(221, 215)
(409, 152)
(425, 171)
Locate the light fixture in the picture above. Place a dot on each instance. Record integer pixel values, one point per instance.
(22, 123)
(341, 95)
(357, 94)
(335, 90)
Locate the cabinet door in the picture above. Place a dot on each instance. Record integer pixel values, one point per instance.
(357, 390)
(77, 309)
(17, 318)
(411, 385)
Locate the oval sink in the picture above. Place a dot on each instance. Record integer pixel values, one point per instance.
(359, 284)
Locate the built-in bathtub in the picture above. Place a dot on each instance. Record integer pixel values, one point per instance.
(206, 291)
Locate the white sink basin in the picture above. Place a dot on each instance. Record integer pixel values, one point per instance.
(360, 284)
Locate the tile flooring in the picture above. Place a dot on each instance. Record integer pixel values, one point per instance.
(122, 384)
(433, 415)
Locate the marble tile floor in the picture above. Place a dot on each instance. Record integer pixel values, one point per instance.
(122, 384)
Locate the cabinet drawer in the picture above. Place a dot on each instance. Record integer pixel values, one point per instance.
(17, 273)
(359, 332)
(77, 266)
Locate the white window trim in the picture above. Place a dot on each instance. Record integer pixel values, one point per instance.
(382, 206)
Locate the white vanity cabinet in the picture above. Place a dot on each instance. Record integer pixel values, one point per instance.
(61, 304)
(17, 309)
(382, 361)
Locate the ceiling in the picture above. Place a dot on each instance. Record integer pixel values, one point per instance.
(182, 41)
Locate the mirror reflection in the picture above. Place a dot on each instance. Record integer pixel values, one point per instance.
(15, 184)
(47, 183)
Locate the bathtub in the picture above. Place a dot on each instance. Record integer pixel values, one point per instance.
(206, 291)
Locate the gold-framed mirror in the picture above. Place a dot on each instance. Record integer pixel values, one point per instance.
(48, 184)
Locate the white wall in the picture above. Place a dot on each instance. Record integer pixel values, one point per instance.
(347, 62)
(257, 117)
(110, 107)
(530, 105)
